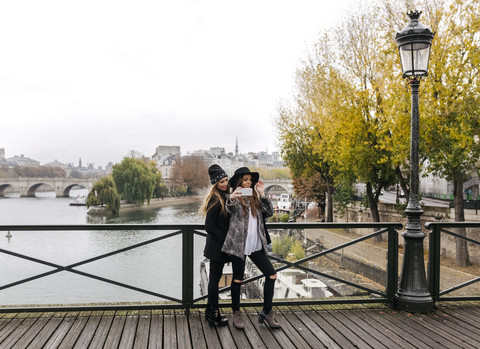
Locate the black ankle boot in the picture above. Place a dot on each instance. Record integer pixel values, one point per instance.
(216, 318)
(208, 311)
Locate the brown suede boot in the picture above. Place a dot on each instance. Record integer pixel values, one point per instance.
(269, 319)
(238, 320)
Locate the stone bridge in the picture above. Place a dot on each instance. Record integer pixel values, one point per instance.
(28, 186)
(278, 186)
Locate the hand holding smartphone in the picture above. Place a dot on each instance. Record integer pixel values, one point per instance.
(246, 191)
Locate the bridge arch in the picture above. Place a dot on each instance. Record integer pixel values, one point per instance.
(3, 187)
(66, 190)
(275, 189)
(278, 186)
(33, 189)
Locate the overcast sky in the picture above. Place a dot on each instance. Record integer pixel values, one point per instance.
(96, 79)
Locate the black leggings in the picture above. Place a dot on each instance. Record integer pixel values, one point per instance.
(216, 271)
(263, 263)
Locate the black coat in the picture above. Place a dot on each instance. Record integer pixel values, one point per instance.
(216, 225)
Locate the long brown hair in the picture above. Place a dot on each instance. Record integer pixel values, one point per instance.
(214, 196)
(255, 204)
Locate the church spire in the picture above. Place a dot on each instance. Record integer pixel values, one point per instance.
(236, 146)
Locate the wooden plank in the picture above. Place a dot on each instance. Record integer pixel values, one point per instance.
(196, 330)
(443, 330)
(368, 334)
(238, 336)
(129, 329)
(259, 337)
(370, 317)
(74, 332)
(375, 329)
(226, 337)
(328, 326)
(115, 333)
(143, 330)
(47, 331)
(211, 337)
(4, 320)
(60, 332)
(409, 340)
(103, 328)
(465, 315)
(269, 335)
(183, 333)
(31, 333)
(9, 328)
(169, 331)
(297, 331)
(348, 335)
(423, 337)
(155, 340)
(456, 320)
(88, 332)
(323, 333)
(18, 331)
(473, 312)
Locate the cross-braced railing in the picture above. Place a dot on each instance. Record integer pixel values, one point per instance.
(187, 233)
(435, 273)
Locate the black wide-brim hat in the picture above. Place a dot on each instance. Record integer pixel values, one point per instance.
(243, 171)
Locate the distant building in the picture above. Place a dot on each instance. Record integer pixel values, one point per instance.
(3, 161)
(165, 157)
(22, 161)
(217, 151)
(163, 151)
(437, 187)
(56, 163)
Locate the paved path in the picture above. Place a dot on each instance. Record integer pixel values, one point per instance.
(372, 254)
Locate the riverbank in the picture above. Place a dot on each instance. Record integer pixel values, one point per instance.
(154, 203)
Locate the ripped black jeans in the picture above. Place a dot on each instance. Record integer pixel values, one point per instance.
(265, 266)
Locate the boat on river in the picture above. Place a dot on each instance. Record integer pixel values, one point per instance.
(79, 201)
(295, 283)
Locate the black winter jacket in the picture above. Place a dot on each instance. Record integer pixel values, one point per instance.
(216, 225)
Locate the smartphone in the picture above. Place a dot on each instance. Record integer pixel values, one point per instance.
(246, 191)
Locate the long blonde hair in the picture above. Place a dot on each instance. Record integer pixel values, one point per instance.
(213, 196)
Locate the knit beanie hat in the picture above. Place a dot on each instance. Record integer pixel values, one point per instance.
(216, 173)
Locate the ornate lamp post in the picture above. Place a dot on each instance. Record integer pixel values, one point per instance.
(414, 43)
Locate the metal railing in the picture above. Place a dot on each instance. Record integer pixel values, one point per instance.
(187, 233)
(435, 257)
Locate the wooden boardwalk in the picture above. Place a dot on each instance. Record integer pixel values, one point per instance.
(451, 325)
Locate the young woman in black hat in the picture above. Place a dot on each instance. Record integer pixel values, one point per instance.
(247, 236)
(216, 224)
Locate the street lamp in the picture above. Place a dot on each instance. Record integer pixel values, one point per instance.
(414, 43)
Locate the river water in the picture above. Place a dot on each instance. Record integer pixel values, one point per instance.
(156, 267)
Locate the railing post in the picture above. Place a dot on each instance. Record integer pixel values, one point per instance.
(433, 271)
(187, 268)
(392, 266)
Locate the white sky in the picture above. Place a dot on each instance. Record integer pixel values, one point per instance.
(96, 79)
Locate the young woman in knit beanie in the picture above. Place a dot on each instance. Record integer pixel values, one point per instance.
(247, 235)
(216, 225)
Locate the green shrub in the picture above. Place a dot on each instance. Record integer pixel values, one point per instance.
(281, 246)
(284, 218)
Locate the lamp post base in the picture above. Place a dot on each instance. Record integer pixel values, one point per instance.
(412, 294)
(414, 304)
